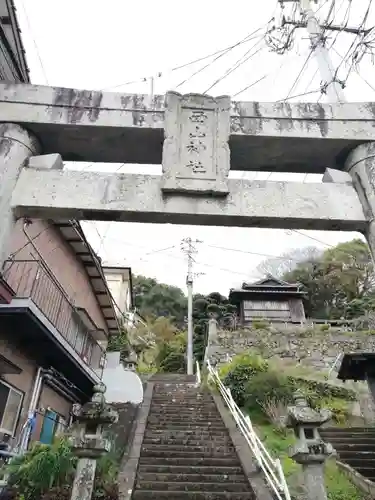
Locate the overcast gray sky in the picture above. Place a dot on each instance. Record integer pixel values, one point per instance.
(104, 45)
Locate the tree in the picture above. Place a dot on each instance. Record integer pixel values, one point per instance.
(171, 356)
(213, 304)
(154, 299)
(287, 261)
(120, 343)
(338, 284)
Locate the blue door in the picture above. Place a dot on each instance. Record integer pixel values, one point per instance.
(49, 426)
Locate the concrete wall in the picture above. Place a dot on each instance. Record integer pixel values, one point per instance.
(23, 381)
(54, 401)
(120, 289)
(62, 261)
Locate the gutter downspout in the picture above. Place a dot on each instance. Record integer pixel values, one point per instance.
(32, 406)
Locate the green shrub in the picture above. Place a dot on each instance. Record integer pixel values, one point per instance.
(174, 363)
(265, 386)
(42, 468)
(323, 389)
(46, 472)
(324, 327)
(241, 369)
(260, 324)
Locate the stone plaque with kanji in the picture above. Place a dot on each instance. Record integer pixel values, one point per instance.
(196, 156)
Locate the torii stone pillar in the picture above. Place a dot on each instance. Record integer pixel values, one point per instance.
(16, 146)
(360, 165)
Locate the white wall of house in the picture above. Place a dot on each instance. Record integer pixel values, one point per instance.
(118, 280)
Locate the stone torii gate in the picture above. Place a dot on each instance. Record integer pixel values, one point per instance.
(197, 139)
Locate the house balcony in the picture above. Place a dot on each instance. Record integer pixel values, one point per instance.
(43, 319)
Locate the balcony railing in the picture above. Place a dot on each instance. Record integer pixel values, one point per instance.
(31, 279)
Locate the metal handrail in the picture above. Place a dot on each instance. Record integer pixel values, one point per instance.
(270, 467)
(33, 279)
(198, 374)
(335, 363)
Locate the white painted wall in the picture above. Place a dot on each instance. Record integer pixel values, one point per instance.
(123, 386)
(119, 286)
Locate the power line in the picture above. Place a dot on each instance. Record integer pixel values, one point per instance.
(242, 60)
(248, 38)
(356, 71)
(300, 95)
(34, 41)
(267, 75)
(299, 74)
(159, 74)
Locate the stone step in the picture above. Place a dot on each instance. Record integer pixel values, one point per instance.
(203, 448)
(222, 471)
(171, 399)
(354, 447)
(185, 426)
(184, 414)
(191, 461)
(184, 410)
(179, 433)
(191, 486)
(186, 441)
(190, 478)
(348, 440)
(360, 463)
(160, 453)
(191, 495)
(157, 419)
(347, 430)
(352, 436)
(367, 472)
(359, 455)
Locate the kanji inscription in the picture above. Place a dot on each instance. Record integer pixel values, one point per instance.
(196, 151)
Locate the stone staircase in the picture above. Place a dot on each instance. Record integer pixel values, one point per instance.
(186, 451)
(355, 446)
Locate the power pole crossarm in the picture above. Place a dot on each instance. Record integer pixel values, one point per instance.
(327, 71)
(330, 84)
(328, 27)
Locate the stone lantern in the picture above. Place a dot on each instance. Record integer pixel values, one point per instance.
(88, 442)
(310, 450)
(130, 363)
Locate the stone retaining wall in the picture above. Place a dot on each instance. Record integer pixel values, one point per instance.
(313, 347)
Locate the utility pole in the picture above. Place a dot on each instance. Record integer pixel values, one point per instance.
(331, 86)
(187, 246)
(152, 88)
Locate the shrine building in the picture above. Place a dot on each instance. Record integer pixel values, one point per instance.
(269, 299)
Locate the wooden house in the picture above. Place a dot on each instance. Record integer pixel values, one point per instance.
(269, 299)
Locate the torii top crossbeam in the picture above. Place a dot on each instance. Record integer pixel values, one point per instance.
(197, 139)
(97, 126)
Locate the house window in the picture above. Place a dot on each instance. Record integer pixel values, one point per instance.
(10, 407)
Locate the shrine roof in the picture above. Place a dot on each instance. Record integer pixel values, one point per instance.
(357, 366)
(268, 285)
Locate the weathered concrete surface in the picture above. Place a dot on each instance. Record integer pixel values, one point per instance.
(86, 125)
(137, 198)
(16, 145)
(196, 157)
(361, 167)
